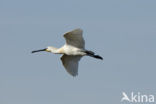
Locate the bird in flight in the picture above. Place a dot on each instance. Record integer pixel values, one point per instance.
(73, 51)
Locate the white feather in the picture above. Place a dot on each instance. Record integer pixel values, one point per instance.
(71, 64)
(75, 38)
(72, 51)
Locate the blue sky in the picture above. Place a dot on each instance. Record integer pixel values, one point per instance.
(122, 31)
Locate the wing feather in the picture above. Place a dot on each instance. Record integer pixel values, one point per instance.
(71, 64)
(75, 38)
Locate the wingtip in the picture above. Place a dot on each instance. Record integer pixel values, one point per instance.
(77, 30)
(73, 74)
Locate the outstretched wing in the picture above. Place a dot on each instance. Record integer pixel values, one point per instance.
(71, 64)
(75, 38)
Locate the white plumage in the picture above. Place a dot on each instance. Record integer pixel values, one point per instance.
(71, 63)
(72, 51)
(75, 38)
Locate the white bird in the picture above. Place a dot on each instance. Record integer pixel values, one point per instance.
(72, 51)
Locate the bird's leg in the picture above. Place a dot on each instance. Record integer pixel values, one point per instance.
(92, 54)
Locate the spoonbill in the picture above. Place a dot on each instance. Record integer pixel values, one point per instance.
(73, 51)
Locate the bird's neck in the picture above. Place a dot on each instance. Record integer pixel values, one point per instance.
(55, 50)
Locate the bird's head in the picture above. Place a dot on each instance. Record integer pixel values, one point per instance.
(48, 49)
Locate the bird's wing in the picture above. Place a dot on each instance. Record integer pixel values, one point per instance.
(71, 64)
(75, 38)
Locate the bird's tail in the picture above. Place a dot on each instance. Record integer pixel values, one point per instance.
(92, 54)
